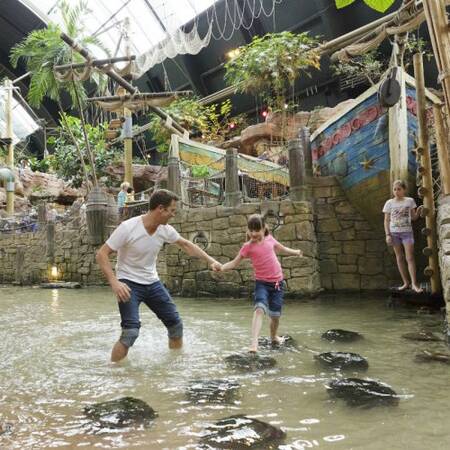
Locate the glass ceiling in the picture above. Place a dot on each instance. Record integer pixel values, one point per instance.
(151, 20)
(23, 123)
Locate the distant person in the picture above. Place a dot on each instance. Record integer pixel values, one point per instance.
(138, 242)
(262, 250)
(130, 194)
(399, 212)
(122, 197)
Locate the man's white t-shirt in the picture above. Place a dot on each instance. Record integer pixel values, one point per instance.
(400, 211)
(137, 250)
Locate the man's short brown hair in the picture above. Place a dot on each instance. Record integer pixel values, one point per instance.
(162, 197)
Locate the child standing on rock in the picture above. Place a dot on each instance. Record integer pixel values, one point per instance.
(398, 214)
(262, 249)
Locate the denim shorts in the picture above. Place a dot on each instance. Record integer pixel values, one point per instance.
(399, 238)
(269, 297)
(158, 299)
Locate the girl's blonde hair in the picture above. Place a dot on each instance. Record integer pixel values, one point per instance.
(400, 183)
(257, 222)
(125, 184)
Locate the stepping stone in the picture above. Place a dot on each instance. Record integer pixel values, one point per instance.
(363, 393)
(342, 360)
(241, 433)
(123, 412)
(249, 362)
(288, 342)
(429, 356)
(337, 335)
(212, 391)
(422, 336)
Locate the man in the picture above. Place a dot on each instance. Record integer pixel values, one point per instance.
(138, 242)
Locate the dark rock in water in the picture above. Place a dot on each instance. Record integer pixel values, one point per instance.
(342, 360)
(341, 335)
(363, 393)
(429, 356)
(123, 412)
(422, 336)
(212, 391)
(242, 433)
(287, 342)
(247, 362)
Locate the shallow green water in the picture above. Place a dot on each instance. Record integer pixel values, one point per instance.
(55, 348)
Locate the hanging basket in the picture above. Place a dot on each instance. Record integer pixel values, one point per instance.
(96, 213)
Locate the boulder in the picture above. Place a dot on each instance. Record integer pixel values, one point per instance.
(363, 393)
(212, 391)
(342, 361)
(249, 362)
(144, 176)
(241, 433)
(258, 132)
(123, 412)
(287, 343)
(338, 335)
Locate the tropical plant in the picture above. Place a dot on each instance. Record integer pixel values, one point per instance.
(43, 49)
(65, 158)
(211, 122)
(372, 65)
(378, 5)
(271, 63)
(200, 171)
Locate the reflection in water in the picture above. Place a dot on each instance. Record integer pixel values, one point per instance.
(55, 347)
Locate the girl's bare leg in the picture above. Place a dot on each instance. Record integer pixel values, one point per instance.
(409, 251)
(401, 266)
(257, 321)
(274, 322)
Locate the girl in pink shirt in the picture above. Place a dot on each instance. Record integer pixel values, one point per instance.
(261, 248)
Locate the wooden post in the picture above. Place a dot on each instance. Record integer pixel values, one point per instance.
(435, 13)
(9, 135)
(297, 172)
(173, 168)
(232, 192)
(427, 178)
(442, 149)
(304, 136)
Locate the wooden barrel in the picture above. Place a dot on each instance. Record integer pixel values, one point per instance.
(96, 212)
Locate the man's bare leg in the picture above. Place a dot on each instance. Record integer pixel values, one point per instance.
(119, 352)
(257, 321)
(175, 343)
(274, 322)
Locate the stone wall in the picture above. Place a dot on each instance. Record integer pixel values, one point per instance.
(27, 258)
(443, 230)
(353, 254)
(341, 250)
(225, 232)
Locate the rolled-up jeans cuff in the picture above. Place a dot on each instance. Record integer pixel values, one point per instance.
(175, 331)
(261, 306)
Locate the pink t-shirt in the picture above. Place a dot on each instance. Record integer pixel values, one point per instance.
(264, 259)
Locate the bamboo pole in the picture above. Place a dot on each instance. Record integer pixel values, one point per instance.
(128, 124)
(427, 179)
(436, 16)
(442, 149)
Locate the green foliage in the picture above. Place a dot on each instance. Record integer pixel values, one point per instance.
(373, 65)
(41, 165)
(270, 64)
(200, 171)
(378, 5)
(66, 161)
(42, 49)
(212, 122)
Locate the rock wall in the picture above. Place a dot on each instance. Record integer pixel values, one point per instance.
(222, 231)
(352, 254)
(341, 250)
(443, 230)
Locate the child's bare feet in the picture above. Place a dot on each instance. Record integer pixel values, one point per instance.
(277, 340)
(253, 348)
(417, 289)
(403, 287)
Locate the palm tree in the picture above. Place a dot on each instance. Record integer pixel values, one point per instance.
(43, 49)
